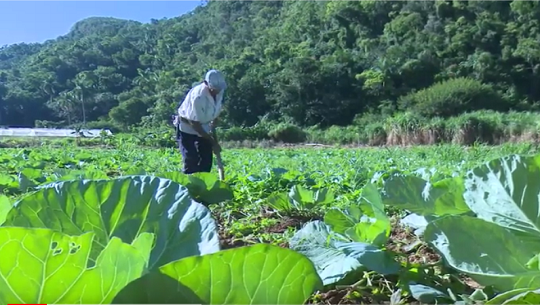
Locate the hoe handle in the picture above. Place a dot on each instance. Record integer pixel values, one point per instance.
(221, 169)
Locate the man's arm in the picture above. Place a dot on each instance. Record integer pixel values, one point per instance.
(197, 112)
(200, 130)
(213, 139)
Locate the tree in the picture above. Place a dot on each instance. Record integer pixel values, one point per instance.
(309, 62)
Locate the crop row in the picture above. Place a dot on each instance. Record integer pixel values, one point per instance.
(152, 239)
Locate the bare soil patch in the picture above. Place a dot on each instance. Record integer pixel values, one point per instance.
(288, 222)
(340, 296)
(227, 241)
(401, 238)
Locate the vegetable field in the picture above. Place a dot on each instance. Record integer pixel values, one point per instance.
(443, 224)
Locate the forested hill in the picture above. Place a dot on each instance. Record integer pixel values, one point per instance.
(310, 62)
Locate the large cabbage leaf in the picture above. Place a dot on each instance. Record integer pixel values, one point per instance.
(62, 174)
(299, 198)
(506, 191)
(5, 207)
(411, 193)
(499, 247)
(260, 274)
(41, 266)
(303, 198)
(339, 260)
(490, 254)
(205, 188)
(124, 207)
(363, 222)
(520, 296)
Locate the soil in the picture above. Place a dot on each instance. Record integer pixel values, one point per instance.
(400, 238)
(470, 282)
(340, 296)
(290, 221)
(227, 241)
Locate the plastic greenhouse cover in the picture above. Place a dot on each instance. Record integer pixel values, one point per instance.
(46, 132)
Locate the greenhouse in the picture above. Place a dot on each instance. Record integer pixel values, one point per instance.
(46, 132)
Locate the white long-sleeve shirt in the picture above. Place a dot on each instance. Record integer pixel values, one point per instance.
(199, 106)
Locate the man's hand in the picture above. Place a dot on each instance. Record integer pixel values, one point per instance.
(214, 124)
(215, 144)
(209, 136)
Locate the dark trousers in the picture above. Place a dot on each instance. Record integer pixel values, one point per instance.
(196, 153)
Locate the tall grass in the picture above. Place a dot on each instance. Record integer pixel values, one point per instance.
(401, 129)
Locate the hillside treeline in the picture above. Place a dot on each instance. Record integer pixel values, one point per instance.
(304, 62)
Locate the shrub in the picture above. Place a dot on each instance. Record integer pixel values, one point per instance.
(255, 133)
(287, 133)
(453, 97)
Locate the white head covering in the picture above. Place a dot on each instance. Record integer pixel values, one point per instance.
(215, 80)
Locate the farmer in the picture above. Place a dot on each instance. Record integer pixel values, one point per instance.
(196, 123)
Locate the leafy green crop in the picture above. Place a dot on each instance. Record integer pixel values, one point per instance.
(205, 188)
(337, 259)
(497, 247)
(260, 274)
(444, 197)
(363, 222)
(47, 267)
(517, 296)
(124, 207)
(67, 242)
(152, 239)
(5, 207)
(299, 199)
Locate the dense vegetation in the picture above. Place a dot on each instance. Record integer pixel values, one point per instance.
(329, 226)
(111, 220)
(304, 63)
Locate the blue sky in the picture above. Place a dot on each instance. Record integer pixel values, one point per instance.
(37, 21)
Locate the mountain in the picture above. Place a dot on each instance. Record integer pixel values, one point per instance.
(309, 62)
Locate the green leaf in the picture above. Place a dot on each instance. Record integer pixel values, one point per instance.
(518, 296)
(7, 180)
(304, 198)
(33, 174)
(123, 207)
(419, 196)
(47, 267)
(506, 191)
(25, 184)
(428, 295)
(66, 175)
(260, 274)
(366, 222)
(5, 207)
(299, 198)
(490, 254)
(205, 188)
(339, 261)
(534, 262)
(280, 202)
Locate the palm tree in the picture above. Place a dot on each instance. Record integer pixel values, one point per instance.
(85, 83)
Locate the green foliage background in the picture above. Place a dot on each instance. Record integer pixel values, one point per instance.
(302, 63)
